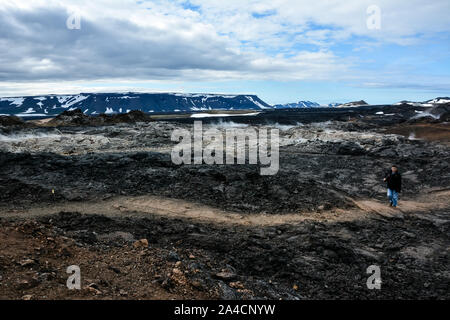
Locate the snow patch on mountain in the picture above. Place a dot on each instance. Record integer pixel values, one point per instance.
(14, 101)
(257, 103)
(439, 100)
(73, 100)
(29, 110)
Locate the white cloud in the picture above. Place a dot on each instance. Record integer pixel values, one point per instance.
(400, 19)
(166, 40)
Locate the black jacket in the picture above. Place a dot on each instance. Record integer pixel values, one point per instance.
(394, 181)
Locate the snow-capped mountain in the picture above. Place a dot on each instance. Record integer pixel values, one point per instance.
(428, 103)
(296, 105)
(353, 104)
(439, 100)
(305, 104)
(96, 103)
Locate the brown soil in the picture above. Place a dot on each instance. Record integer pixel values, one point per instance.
(431, 132)
(34, 255)
(34, 259)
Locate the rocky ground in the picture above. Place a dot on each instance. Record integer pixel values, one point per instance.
(77, 193)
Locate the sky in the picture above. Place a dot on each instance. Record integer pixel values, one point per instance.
(282, 50)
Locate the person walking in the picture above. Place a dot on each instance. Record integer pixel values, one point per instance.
(393, 180)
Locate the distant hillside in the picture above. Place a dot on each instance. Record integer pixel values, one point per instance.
(296, 105)
(110, 103)
(304, 104)
(353, 104)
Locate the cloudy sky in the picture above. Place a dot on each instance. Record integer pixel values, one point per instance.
(282, 50)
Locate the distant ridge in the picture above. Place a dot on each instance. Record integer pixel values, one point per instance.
(305, 104)
(114, 103)
(296, 105)
(353, 104)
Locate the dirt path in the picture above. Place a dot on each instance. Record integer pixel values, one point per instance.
(140, 206)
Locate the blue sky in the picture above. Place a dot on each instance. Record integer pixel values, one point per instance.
(282, 50)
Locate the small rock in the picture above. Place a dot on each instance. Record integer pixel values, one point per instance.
(27, 297)
(173, 256)
(94, 291)
(44, 277)
(143, 243)
(123, 292)
(370, 255)
(116, 270)
(237, 285)
(292, 239)
(226, 275)
(27, 284)
(226, 292)
(197, 284)
(330, 254)
(93, 288)
(27, 262)
(176, 271)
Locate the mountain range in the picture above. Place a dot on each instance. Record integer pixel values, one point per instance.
(116, 103)
(305, 104)
(295, 105)
(110, 103)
